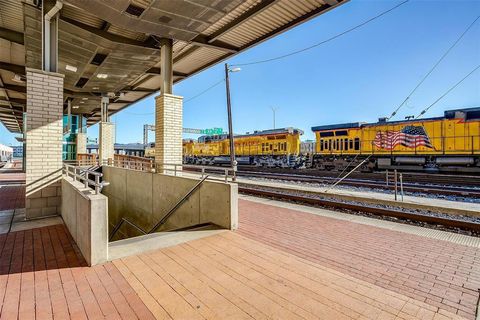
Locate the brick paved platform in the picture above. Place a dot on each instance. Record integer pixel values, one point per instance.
(439, 273)
(280, 264)
(43, 276)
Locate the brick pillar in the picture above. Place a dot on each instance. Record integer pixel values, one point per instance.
(106, 141)
(44, 134)
(168, 129)
(81, 142)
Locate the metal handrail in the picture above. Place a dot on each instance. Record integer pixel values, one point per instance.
(165, 217)
(223, 172)
(82, 175)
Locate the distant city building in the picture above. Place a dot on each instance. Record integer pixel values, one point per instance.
(6, 153)
(17, 151)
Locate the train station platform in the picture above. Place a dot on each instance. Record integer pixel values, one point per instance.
(285, 261)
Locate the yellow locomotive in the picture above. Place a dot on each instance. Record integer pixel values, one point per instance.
(448, 143)
(272, 148)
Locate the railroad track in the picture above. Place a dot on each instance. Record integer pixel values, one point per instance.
(417, 177)
(363, 208)
(450, 190)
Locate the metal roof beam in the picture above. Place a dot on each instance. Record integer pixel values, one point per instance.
(11, 35)
(13, 87)
(16, 101)
(15, 68)
(202, 40)
(107, 35)
(157, 71)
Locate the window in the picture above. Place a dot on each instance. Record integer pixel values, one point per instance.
(321, 145)
(271, 147)
(326, 134)
(345, 141)
(330, 144)
(357, 144)
(351, 143)
(341, 133)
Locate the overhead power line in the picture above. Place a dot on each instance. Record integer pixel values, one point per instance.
(204, 91)
(324, 41)
(185, 101)
(433, 68)
(448, 91)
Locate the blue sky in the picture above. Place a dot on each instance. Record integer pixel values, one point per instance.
(360, 76)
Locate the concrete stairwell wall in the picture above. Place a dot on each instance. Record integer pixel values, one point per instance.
(85, 215)
(144, 198)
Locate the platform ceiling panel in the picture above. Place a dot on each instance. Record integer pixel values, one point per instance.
(122, 39)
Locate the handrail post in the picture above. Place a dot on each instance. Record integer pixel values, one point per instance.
(401, 185)
(226, 175)
(395, 181)
(97, 184)
(74, 174)
(386, 177)
(86, 179)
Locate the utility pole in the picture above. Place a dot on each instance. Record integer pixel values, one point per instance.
(233, 162)
(273, 111)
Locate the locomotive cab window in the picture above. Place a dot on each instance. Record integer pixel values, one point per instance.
(345, 141)
(321, 145)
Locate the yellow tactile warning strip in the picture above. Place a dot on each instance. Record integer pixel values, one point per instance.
(228, 276)
(401, 227)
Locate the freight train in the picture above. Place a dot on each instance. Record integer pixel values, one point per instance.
(450, 143)
(268, 148)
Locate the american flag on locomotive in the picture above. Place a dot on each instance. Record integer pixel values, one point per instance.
(409, 136)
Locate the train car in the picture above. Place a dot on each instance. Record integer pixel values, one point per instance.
(268, 148)
(448, 143)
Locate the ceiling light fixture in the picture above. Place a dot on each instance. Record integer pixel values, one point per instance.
(95, 88)
(85, 98)
(18, 78)
(76, 107)
(71, 68)
(102, 76)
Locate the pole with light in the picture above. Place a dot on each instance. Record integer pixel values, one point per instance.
(273, 110)
(233, 162)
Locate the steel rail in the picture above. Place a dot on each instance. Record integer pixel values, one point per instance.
(453, 223)
(408, 187)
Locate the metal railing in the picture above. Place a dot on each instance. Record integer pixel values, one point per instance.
(397, 180)
(223, 173)
(82, 175)
(162, 221)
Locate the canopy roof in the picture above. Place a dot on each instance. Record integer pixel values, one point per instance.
(122, 39)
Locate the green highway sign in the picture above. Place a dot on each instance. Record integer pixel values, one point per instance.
(212, 131)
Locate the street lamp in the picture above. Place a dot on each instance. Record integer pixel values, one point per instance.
(233, 162)
(273, 110)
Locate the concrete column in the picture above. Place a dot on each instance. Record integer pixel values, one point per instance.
(106, 141)
(44, 134)
(168, 129)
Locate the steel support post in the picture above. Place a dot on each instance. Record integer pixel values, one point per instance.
(233, 162)
(166, 73)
